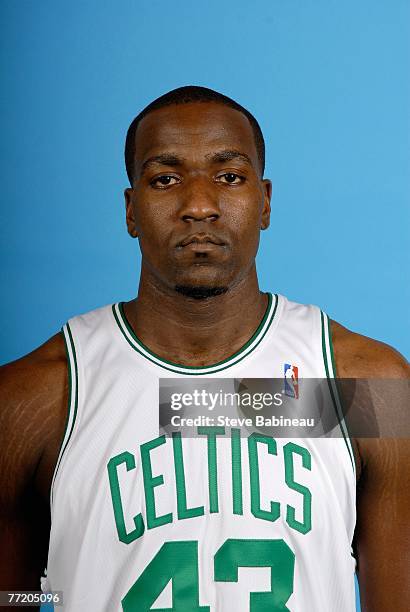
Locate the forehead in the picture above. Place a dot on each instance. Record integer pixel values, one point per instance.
(194, 130)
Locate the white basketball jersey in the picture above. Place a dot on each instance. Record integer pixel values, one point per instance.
(221, 522)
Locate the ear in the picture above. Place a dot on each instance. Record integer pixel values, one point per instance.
(267, 194)
(129, 212)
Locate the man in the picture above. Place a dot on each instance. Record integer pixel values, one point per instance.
(139, 519)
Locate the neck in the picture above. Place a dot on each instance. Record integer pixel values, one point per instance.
(196, 332)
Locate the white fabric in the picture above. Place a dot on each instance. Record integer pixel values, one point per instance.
(114, 409)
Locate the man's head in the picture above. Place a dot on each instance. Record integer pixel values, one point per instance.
(198, 201)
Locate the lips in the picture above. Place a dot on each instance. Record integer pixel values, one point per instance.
(200, 239)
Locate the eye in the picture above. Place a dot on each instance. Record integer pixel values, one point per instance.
(231, 178)
(165, 180)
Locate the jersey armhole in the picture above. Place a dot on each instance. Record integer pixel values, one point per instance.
(331, 375)
(72, 408)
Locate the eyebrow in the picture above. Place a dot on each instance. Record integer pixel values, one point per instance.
(228, 155)
(165, 159)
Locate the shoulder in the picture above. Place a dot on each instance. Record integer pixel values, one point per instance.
(374, 384)
(35, 373)
(358, 356)
(33, 399)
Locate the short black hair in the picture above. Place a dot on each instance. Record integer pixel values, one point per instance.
(184, 95)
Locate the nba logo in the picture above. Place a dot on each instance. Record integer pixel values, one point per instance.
(291, 380)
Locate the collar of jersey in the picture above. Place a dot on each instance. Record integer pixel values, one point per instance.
(248, 347)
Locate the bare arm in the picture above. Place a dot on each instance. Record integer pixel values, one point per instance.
(383, 532)
(382, 537)
(33, 399)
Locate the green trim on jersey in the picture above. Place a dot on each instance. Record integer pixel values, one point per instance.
(244, 351)
(72, 400)
(332, 382)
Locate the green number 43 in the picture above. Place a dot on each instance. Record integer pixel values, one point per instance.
(178, 561)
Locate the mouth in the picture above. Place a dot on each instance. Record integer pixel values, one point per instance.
(200, 241)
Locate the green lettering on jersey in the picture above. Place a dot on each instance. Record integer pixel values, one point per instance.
(176, 562)
(211, 433)
(289, 450)
(150, 482)
(274, 554)
(183, 511)
(237, 505)
(256, 509)
(112, 468)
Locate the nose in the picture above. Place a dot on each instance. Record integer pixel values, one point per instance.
(199, 201)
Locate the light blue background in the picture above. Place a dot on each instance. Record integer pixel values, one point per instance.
(328, 81)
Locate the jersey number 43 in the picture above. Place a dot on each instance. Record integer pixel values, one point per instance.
(178, 561)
